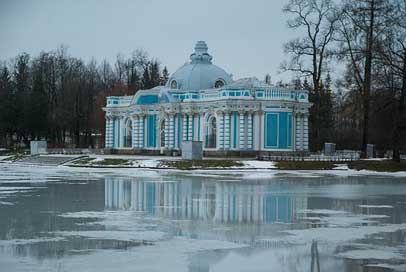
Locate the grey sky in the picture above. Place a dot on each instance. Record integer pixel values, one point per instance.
(245, 36)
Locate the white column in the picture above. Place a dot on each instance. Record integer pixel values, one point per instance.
(250, 137)
(227, 128)
(171, 131)
(242, 131)
(202, 124)
(141, 131)
(190, 127)
(109, 132)
(122, 130)
(305, 133)
(257, 128)
(134, 121)
(195, 127)
(184, 128)
(116, 132)
(261, 132)
(167, 131)
(220, 130)
(298, 132)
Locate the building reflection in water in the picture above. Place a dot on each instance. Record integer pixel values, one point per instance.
(217, 202)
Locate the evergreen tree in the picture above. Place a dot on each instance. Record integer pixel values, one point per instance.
(155, 76)
(146, 79)
(268, 79)
(165, 76)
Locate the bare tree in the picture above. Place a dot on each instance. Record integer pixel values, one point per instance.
(318, 18)
(361, 26)
(392, 53)
(309, 54)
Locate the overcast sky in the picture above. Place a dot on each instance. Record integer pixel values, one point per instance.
(245, 37)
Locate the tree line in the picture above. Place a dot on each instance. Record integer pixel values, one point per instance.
(363, 42)
(58, 97)
(350, 55)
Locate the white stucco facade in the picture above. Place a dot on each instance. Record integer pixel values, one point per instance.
(202, 102)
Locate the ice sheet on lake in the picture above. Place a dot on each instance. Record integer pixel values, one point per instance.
(394, 267)
(337, 234)
(376, 206)
(321, 211)
(12, 242)
(116, 235)
(377, 254)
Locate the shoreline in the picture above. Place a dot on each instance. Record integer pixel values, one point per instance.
(221, 165)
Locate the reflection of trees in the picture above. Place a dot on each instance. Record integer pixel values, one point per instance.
(35, 213)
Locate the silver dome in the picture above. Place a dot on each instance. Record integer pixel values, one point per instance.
(199, 73)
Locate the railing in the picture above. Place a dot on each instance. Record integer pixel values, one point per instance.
(118, 100)
(337, 157)
(70, 151)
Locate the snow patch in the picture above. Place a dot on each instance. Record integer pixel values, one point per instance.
(376, 206)
(116, 235)
(377, 254)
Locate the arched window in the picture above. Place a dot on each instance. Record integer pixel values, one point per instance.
(128, 133)
(219, 83)
(174, 84)
(211, 135)
(162, 133)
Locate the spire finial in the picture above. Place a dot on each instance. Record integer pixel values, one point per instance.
(200, 55)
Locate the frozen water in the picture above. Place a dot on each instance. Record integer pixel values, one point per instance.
(242, 220)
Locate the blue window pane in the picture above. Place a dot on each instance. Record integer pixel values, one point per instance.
(283, 130)
(147, 99)
(271, 130)
(151, 133)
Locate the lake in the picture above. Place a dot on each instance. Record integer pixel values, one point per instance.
(60, 219)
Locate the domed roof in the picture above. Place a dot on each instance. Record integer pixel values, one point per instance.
(199, 73)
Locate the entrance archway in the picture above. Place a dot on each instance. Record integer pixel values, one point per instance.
(211, 136)
(162, 133)
(128, 133)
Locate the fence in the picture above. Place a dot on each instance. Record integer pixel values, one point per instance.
(339, 156)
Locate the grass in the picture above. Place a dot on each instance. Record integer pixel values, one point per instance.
(83, 161)
(378, 166)
(305, 165)
(202, 164)
(112, 162)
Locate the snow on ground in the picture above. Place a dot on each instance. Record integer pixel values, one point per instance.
(148, 166)
(259, 164)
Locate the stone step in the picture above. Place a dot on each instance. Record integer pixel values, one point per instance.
(46, 160)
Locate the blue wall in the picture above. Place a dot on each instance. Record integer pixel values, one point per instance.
(151, 130)
(235, 129)
(147, 99)
(278, 130)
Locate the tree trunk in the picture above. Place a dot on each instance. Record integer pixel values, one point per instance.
(397, 128)
(367, 80)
